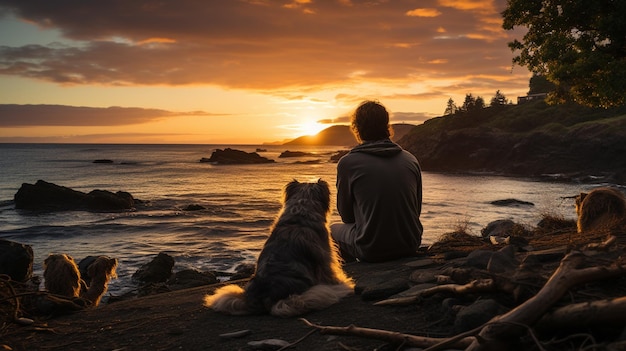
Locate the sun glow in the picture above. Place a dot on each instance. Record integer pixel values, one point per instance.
(310, 128)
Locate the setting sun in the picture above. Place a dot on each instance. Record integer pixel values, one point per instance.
(311, 128)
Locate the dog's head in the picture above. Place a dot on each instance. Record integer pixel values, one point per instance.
(58, 259)
(317, 192)
(103, 267)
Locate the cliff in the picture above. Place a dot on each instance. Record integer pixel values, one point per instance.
(531, 139)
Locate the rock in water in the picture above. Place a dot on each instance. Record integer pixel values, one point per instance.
(51, 197)
(157, 271)
(230, 156)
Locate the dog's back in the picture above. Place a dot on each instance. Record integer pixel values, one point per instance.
(61, 275)
(602, 208)
(298, 269)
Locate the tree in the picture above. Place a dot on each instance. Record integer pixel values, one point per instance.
(498, 100)
(578, 45)
(539, 84)
(479, 103)
(468, 103)
(450, 108)
(471, 103)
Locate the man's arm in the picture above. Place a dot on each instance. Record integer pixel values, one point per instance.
(345, 201)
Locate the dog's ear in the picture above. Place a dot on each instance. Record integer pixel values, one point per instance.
(322, 182)
(291, 188)
(322, 193)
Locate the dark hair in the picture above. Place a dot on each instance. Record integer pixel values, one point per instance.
(370, 121)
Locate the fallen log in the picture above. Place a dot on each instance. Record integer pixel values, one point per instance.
(580, 315)
(479, 285)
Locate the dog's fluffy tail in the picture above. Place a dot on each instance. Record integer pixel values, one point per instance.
(228, 299)
(316, 298)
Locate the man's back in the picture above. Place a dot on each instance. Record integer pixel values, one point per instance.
(380, 191)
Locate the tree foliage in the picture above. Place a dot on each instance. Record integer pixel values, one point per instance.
(578, 45)
(471, 103)
(451, 108)
(498, 99)
(539, 84)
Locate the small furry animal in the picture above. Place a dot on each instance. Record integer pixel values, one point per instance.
(601, 208)
(298, 269)
(61, 275)
(99, 273)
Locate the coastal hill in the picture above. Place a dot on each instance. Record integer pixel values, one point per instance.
(340, 135)
(534, 139)
(529, 139)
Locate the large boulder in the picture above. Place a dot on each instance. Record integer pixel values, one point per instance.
(288, 153)
(51, 197)
(230, 156)
(156, 271)
(103, 200)
(16, 260)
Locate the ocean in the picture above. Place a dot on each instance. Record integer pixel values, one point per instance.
(240, 202)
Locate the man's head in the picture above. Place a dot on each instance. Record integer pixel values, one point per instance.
(370, 122)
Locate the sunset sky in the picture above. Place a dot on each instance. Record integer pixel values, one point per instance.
(240, 71)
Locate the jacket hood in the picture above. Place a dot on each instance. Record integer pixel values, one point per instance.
(380, 148)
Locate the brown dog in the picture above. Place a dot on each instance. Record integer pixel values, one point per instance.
(298, 269)
(602, 208)
(99, 273)
(61, 275)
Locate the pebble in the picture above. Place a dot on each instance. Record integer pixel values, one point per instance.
(269, 344)
(236, 334)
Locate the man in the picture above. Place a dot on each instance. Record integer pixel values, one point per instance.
(379, 193)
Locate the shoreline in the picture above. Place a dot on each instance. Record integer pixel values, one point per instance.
(178, 320)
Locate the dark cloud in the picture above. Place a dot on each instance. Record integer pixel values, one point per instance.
(259, 44)
(12, 115)
(146, 138)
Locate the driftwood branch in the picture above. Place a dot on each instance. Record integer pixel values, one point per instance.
(390, 336)
(505, 328)
(603, 312)
(501, 331)
(480, 285)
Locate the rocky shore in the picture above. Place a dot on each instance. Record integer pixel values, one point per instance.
(565, 142)
(449, 292)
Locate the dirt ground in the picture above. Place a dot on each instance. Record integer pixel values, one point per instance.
(178, 321)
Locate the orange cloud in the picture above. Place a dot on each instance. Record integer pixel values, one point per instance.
(257, 44)
(482, 6)
(423, 13)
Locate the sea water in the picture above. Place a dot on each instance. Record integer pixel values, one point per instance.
(240, 202)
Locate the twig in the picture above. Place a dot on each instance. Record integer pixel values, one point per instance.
(311, 332)
(394, 337)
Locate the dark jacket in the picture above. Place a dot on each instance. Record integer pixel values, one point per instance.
(379, 189)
